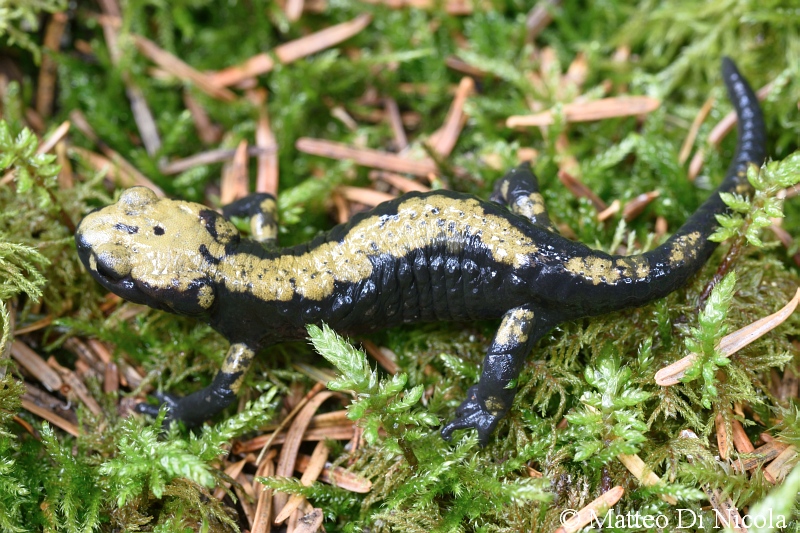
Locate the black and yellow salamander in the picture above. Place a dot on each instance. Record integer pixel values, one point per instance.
(434, 256)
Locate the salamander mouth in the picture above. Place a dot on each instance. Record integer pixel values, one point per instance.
(97, 264)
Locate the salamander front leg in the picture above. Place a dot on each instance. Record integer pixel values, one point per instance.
(519, 191)
(262, 210)
(489, 400)
(199, 406)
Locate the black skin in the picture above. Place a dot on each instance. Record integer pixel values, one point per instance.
(458, 279)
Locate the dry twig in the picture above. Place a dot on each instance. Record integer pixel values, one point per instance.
(291, 51)
(182, 70)
(593, 511)
(730, 344)
(365, 156)
(604, 108)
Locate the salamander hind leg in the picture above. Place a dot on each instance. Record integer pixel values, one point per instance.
(489, 401)
(262, 210)
(199, 406)
(519, 191)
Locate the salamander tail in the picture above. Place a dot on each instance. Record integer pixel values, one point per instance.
(687, 250)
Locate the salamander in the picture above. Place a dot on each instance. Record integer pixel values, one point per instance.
(432, 256)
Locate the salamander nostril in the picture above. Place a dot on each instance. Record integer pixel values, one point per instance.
(107, 272)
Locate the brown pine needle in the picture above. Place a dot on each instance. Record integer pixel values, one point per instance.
(539, 18)
(262, 519)
(119, 170)
(609, 211)
(459, 65)
(45, 88)
(444, 139)
(385, 357)
(740, 439)
(76, 387)
(235, 178)
(36, 366)
(594, 510)
(111, 378)
(232, 470)
(723, 444)
(204, 158)
(207, 131)
(269, 440)
(177, 67)
(267, 163)
(640, 471)
(365, 156)
(635, 206)
(312, 472)
(51, 417)
(361, 195)
(452, 7)
(726, 510)
(142, 115)
(781, 465)
(310, 522)
(604, 108)
(719, 132)
(294, 438)
(580, 190)
(293, 10)
(54, 138)
(291, 51)
(786, 239)
(760, 456)
(336, 475)
(344, 431)
(35, 326)
(399, 182)
(694, 129)
(730, 344)
(396, 122)
(128, 175)
(577, 71)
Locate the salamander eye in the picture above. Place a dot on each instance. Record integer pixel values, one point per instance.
(158, 230)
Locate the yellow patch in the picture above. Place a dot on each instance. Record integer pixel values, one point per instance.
(263, 226)
(514, 327)
(537, 203)
(684, 248)
(419, 222)
(595, 269)
(237, 360)
(633, 267)
(504, 190)
(494, 405)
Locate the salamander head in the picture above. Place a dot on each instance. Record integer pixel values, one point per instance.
(155, 251)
